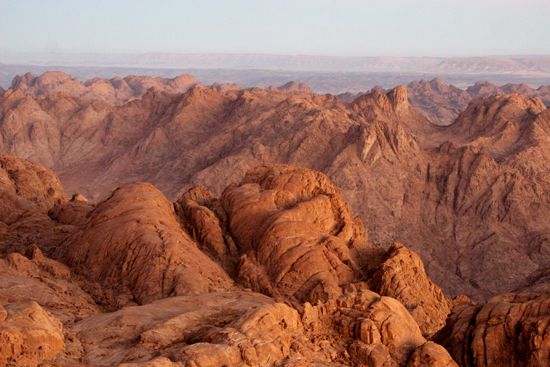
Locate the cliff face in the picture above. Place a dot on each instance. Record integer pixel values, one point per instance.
(470, 199)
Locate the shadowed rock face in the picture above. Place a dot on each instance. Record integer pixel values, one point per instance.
(508, 330)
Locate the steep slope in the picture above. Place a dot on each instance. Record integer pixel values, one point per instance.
(133, 245)
(508, 330)
(449, 193)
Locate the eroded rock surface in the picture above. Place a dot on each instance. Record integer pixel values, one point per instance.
(295, 224)
(28, 335)
(401, 276)
(134, 246)
(508, 330)
(248, 329)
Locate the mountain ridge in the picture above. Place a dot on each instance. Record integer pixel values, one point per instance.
(407, 179)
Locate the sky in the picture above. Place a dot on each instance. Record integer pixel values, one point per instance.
(436, 28)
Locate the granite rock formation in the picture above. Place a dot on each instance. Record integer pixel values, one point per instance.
(148, 282)
(508, 330)
(408, 180)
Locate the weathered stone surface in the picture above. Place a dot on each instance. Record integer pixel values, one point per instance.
(164, 327)
(431, 354)
(439, 102)
(46, 282)
(134, 246)
(508, 330)
(29, 335)
(294, 223)
(401, 276)
(240, 329)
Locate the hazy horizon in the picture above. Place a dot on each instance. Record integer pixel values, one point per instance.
(351, 28)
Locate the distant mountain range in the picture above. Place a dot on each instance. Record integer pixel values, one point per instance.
(323, 74)
(498, 65)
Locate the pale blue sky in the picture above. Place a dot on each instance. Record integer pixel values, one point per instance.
(300, 27)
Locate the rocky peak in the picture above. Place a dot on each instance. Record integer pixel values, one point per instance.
(22, 82)
(484, 116)
(399, 99)
(483, 88)
(293, 87)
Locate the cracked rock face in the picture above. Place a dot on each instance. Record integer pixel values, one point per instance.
(134, 246)
(28, 335)
(508, 330)
(151, 283)
(294, 223)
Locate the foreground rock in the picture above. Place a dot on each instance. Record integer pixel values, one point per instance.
(28, 335)
(508, 330)
(295, 224)
(46, 282)
(248, 329)
(401, 276)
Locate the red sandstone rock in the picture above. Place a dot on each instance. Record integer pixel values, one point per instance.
(445, 193)
(401, 276)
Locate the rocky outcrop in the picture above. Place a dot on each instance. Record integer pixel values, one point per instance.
(38, 185)
(27, 191)
(294, 223)
(134, 246)
(487, 89)
(28, 335)
(293, 87)
(47, 282)
(498, 119)
(401, 276)
(508, 330)
(243, 328)
(439, 102)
